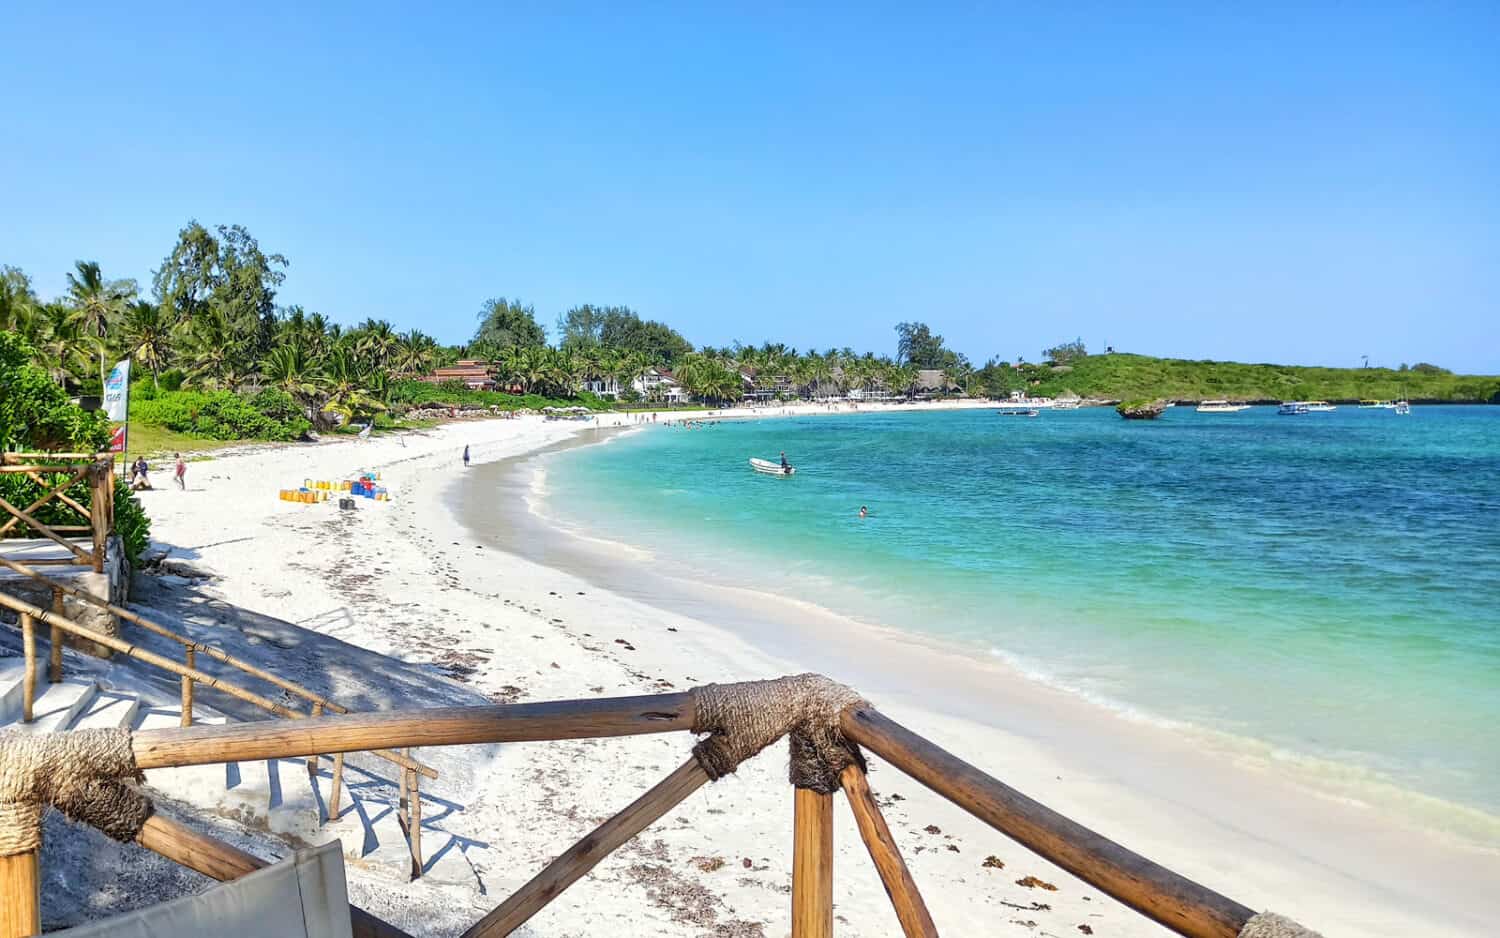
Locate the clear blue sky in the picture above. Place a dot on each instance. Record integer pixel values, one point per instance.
(1298, 182)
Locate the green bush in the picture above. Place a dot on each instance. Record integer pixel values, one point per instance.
(224, 415)
(35, 412)
(131, 523)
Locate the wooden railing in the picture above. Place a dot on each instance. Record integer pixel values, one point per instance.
(409, 771)
(57, 474)
(1174, 901)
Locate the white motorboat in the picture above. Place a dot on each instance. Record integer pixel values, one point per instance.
(1292, 408)
(1321, 407)
(1018, 412)
(771, 468)
(1377, 405)
(1403, 408)
(1221, 407)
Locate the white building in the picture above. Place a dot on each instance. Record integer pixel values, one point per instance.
(659, 383)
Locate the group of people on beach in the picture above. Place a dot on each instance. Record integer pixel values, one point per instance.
(140, 480)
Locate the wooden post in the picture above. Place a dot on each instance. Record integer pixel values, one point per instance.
(1169, 898)
(911, 911)
(414, 830)
(99, 513)
(575, 863)
(812, 864)
(28, 680)
(20, 896)
(312, 761)
(54, 634)
(187, 688)
(338, 783)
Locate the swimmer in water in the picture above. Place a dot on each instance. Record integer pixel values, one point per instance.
(863, 511)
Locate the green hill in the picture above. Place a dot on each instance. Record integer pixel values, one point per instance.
(1120, 376)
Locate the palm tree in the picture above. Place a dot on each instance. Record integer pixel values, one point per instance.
(346, 382)
(98, 303)
(147, 337)
(60, 341)
(287, 367)
(215, 350)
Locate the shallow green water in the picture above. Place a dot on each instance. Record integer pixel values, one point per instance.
(1322, 589)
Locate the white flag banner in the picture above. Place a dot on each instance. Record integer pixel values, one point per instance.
(117, 392)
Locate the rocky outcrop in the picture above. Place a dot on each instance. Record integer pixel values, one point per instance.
(1141, 410)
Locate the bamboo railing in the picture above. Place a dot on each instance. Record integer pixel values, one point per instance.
(99, 514)
(1174, 901)
(409, 770)
(1168, 898)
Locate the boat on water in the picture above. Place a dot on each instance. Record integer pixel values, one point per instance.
(1221, 407)
(1018, 412)
(771, 468)
(1291, 408)
(1321, 407)
(1377, 405)
(1403, 408)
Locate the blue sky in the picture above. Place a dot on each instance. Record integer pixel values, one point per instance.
(1301, 182)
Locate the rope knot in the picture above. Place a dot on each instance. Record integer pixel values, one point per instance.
(81, 773)
(744, 718)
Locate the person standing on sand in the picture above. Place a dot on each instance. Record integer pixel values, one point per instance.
(466, 455)
(179, 475)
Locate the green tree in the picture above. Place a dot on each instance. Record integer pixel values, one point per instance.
(505, 322)
(224, 270)
(917, 345)
(146, 336)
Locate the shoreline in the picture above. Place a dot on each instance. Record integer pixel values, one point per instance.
(1119, 755)
(536, 630)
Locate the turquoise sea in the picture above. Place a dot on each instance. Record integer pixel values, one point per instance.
(1319, 591)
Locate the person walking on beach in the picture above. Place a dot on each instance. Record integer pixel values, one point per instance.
(179, 475)
(466, 455)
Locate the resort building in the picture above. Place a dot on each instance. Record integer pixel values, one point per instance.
(608, 386)
(658, 384)
(472, 373)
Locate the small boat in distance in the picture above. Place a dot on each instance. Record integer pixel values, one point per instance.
(1221, 407)
(1321, 407)
(1018, 412)
(1377, 405)
(1402, 408)
(771, 468)
(1292, 408)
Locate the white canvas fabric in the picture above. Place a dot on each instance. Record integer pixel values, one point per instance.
(300, 897)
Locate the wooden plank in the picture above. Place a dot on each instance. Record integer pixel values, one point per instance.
(20, 896)
(438, 726)
(44, 530)
(812, 864)
(56, 491)
(584, 855)
(1155, 891)
(911, 911)
(221, 861)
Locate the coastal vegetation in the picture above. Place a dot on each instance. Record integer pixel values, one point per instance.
(219, 357)
(36, 414)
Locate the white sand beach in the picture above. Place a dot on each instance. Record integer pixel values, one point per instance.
(410, 580)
